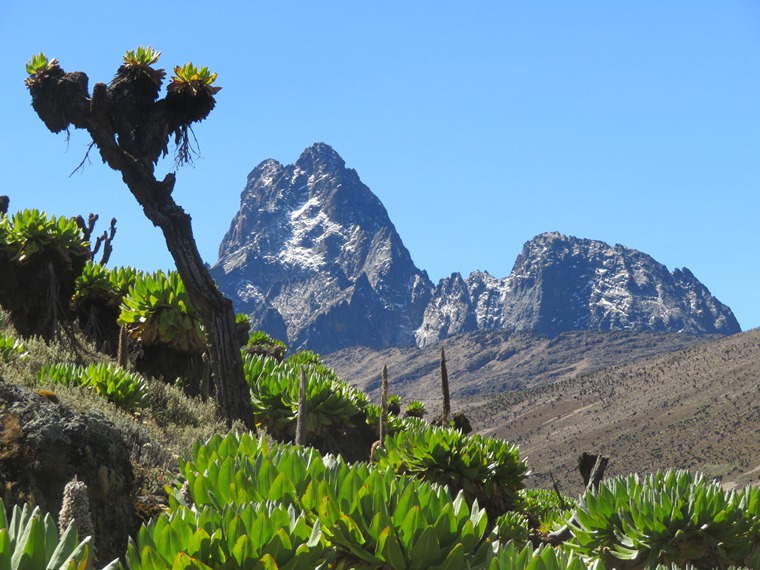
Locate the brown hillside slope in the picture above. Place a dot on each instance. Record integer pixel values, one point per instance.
(696, 409)
(493, 362)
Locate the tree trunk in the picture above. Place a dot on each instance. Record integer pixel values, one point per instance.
(215, 310)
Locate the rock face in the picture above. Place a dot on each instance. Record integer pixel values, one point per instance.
(314, 260)
(44, 445)
(561, 283)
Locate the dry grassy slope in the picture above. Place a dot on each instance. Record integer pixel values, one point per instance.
(489, 362)
(697, 409)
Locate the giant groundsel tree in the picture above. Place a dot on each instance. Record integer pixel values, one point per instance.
(132, 128)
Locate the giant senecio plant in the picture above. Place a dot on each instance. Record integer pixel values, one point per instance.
(132, 128)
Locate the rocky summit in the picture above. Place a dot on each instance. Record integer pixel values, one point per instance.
(314, 259)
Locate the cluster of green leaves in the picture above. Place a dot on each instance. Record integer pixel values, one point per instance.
(547, 507)
(125, 389)
(331, 404)
(369, 517)
(11, 348)
(510, 556)
(29, 232)
(415, 409)
(109, 286)
(486, 469)
(671, 517)
(40, 63)
(261, 343)
(30, 541)
(261, 535)
(157, 311)
(189, 73)
(142, 56)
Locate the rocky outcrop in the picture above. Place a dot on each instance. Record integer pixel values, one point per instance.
(561, 283)
(314, 259)
(44, 445)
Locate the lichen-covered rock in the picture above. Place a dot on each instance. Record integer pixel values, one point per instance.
(44, 445)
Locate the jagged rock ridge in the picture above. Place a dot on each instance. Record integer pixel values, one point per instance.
(314, 259)
(561, 283)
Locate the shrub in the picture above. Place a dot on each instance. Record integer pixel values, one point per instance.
(157, 311)
(486, 469)
(10, 348)
(332, 405)
(415, 409)
(671, 517)
(125, 389)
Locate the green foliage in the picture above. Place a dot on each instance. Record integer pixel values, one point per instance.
(306, 357)
(671, 517)
(415, 409)
(188, 73)
(512, 525)
(142, 56)
(394, 404)
(40, 63)
(331, 404)
(369, 516)
(157, 311)
(510, 557)
(11, 348)
(485, 469)
(261, 343)
(261, 535)
(125, 389)
(30, 541)
(95, 284)
(30, 232)
(548, 508)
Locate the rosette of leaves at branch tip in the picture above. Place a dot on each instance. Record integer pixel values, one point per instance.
(189, 99)
(40, 258)
(30, 541)
(30, 233)
(513, 526)
(261, 535)
(486, 469)
(415, 409)
(97, 300)
(157, 311)
(59, 98)
(11, 348)
(671, 517)
(125, 389)
(261, 343)
(332, 404)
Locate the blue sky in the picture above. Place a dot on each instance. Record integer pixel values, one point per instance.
(479, 125)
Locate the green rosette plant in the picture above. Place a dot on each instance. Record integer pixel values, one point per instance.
(485, 469)
(415, 409)
(40, 258)
(370, 517)
(263, 535)
(512, 557)
(262, 344)
(671, 517)
(11, 348)
(331, 404)
(546, 508)
(125, 389)
(157, 311)
(30, 541)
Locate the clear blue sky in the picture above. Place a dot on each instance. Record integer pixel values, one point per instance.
(478, 124)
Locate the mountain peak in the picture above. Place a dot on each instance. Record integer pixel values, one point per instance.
(320, 158)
